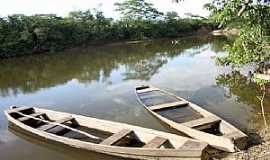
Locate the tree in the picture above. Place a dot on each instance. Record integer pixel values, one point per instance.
(138, 10)
(171, 15)
(253, 20)
(82, 15)
(21, 35)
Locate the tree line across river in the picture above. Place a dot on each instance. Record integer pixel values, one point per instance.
(22, 35)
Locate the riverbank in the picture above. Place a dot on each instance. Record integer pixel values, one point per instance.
(204, 31)
(226, 32)
(257, 152)
(23, 35)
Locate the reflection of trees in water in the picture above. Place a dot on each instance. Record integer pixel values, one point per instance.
(241, 86)
(144, 69)
(218, 43)
(246, 91)
(143, 60)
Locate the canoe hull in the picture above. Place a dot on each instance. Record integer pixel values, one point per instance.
(125, 152)
(232, 137)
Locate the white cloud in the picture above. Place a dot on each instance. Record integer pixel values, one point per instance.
(62, 7)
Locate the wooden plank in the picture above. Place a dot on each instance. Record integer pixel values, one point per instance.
(59, 129)
(33, 115)
(202, 123)
(188, 145)
(168, 105)
(142, 87)
(157, 142)
(60, 121)
(145, 96)
(147, 90)
(65, 119)
(218, 142)
(116, 137)
(19, 109)
(234, 135)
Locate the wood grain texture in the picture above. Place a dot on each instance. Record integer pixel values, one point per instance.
(157, 142)
(116, 137)
(194, 128)
(144, 134)
(22, 119)
(168, 105)
(203, 123)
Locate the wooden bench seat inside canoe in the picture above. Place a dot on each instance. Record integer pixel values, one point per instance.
(189, 144)
(20, 109)
(38, 114)
(117, 137)
(147, 90)
(203, 123)
(168, 105)
(157, 142)
(60, 121)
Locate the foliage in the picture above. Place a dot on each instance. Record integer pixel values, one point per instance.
(261, 82)
(33, 34)
(172, 15)
(21, 35)
(248, 48)
(137, 9)
(253, 20)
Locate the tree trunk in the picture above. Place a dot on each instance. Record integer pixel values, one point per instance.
(244, 7)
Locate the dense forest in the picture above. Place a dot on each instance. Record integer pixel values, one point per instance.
(22, 35)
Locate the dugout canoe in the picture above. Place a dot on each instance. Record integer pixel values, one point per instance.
(191, 120)
(107, 137)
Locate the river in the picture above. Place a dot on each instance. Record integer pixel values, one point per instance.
(99, 82)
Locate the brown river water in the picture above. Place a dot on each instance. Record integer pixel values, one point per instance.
(99, 82)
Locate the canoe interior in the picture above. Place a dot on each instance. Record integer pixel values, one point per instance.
(155, 98)
(75, 153)
(127, 141)
(177, 114)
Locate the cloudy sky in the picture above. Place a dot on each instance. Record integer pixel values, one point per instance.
(62, 7)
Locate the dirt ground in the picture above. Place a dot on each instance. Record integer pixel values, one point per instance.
(256, 152)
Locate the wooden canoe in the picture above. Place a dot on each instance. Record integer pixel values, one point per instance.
(191, 120)
(111, 138)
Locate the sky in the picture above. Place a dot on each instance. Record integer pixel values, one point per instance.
(63, 7)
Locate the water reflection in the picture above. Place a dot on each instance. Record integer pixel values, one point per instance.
(140, 61)
(99, 82)
(246, 91)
